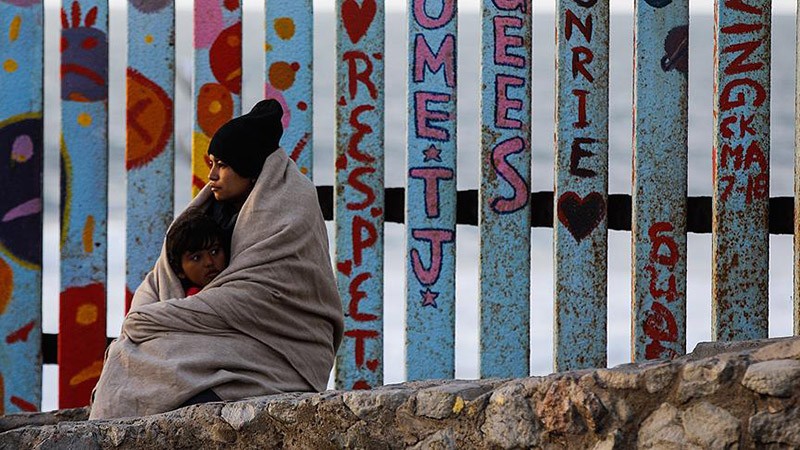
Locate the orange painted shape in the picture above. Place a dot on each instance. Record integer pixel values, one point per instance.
(149, 120)
(87, 373)
(88, 234)
(284, 28)
(281, 75)
(6, 284)
(214, 107)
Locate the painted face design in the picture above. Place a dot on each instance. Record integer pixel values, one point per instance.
(84, 57)
(20, 182)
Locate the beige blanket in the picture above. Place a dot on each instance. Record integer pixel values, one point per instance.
(271, 322)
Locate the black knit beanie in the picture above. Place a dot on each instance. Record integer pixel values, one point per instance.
(245, 142)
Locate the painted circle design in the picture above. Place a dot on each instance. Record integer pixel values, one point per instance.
(149, 114)
(225, 57)
(214, 107)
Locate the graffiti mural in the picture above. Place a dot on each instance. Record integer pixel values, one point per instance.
(84, 197)
(217, 76)
(150, 144)
(359, 191)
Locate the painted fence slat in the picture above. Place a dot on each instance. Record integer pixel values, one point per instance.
(84, 198)
(289, 67)
(22, 156)
(217, 86)
(504, 194)
(431, 190)
(796, 297)
(150, 142)
(660, 179)
(740, 233)
(358, 191)
(580, 234)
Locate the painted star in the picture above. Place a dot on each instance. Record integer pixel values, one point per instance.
(432, 153)
(429, 298)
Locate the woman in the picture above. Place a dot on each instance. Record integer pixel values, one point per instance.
(269, 323)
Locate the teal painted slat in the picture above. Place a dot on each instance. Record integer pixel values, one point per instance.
(150, 143)
(504, 203)
(581, 224)
(217, 86)
(84, 198)
(22, 156)
(740, 229)
(660, 179)
(359, 199)
(289, 64)
(431, 190)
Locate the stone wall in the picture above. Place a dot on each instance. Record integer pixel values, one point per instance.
(741, 395)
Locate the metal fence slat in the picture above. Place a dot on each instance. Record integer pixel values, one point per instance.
(660, 110)
(21, 204)
(431, 190)
(359, 206)
(84, 198)
(150, 140)
(504, 203)
(581, 194)
(740, 229)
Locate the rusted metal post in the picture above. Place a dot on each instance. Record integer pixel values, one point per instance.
(150, 143)
(580, 231)
(22, 156)
(504, 209)
(661, 46)
(359, 206)
(740, 228)
(84, 198)
(217, 76)
(289, 51)
(431, 190)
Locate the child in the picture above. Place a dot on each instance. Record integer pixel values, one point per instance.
(196, 250)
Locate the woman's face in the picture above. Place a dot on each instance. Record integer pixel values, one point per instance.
(227, 185)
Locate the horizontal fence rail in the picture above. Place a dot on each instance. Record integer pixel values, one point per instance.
(740, 215)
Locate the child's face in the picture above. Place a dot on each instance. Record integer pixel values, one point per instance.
(201, 266)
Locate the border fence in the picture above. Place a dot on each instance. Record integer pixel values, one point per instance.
(740, 215)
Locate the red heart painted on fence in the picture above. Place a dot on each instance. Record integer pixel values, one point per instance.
(357, 19)
(345, 267)
(581, 215)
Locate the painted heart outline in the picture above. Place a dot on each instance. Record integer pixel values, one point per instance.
(581, 215)
(357, 19)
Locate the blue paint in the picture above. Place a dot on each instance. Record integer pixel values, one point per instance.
(431, 190)
(504, 196)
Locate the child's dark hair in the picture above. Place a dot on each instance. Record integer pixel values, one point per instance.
(193, 231)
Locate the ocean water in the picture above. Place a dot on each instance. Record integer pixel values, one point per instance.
(619, 296)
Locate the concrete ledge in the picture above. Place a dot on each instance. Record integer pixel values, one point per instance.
(744, 396)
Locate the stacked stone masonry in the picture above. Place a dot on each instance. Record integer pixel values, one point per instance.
(722, 396)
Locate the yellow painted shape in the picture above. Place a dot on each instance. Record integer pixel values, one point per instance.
(88, 373)
(304, 170)
(13, 30)
(148, 39)
(88, 235)
(214, 107)
(10, 65)
(6, 284)
(86, 314)
(84, 119)
(284, 27)
(267, 47)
